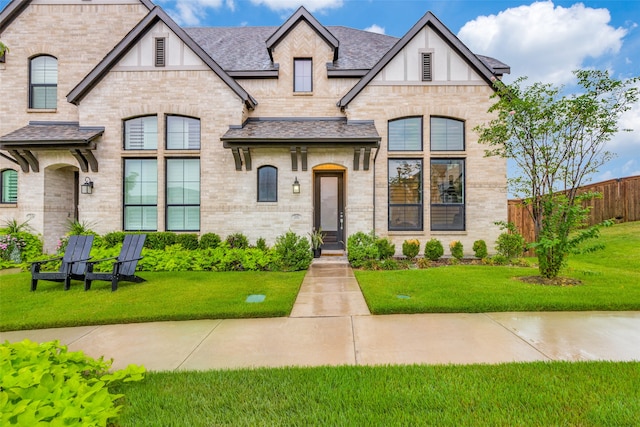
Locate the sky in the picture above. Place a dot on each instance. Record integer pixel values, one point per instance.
(543, 40)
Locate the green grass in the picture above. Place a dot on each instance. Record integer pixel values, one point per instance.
(531, 394)
(165, 296)
(610, 281)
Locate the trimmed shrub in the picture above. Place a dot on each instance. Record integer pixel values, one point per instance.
(113, 239)
(386, 249)
(510, 244)
(209, 240)
(360, 248)
(456, 249)
(292, 252)
(433, 250)
(43, 384)
(237, 241)
(480, 249)
(188, 241)
(160, 240)
(410, 248)
(261, 244)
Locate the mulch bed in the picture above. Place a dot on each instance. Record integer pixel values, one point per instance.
(557, 281)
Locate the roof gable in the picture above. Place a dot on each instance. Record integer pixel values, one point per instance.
(136, 34)
(302, 15)
(429, 19)
(15, 8)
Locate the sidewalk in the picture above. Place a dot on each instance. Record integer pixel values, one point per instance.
(330, 325)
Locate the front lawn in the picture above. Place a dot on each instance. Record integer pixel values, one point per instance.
(610, 281)
(515, 394)
(164, 296)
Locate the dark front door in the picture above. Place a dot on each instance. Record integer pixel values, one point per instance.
(329, 208)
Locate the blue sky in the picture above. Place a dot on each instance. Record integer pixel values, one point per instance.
(544, 40)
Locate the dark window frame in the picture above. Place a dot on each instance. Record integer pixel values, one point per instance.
(295, 74)
(166, 131)
(124, 133)
(464, 132)
(32, 85)
(389, 146)
(420, 192)
(4, 197)
(124, 194)
(259, 198)
(166, 195)
(460, 223)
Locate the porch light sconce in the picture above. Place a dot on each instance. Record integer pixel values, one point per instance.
(296, 186)
(87, 187)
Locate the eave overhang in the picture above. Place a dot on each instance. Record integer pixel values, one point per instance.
(80, 141)
(300, 134)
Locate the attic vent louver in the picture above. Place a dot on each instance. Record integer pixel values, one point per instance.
(426, 67)
(160, 55)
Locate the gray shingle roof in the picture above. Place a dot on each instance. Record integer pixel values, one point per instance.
(313, 130)
(244, 48)
(51, 133)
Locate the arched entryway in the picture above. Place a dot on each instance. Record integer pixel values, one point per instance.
(329, 204)
(60, 202)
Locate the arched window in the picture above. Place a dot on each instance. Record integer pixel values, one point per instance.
(141, 133)
(405, 134)
(183, 133)
(9, 184)
(43, 82)
(447, 134)
(267, 184)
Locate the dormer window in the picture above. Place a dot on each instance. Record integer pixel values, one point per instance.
(302, 75)
(160, 52)
(427, 66)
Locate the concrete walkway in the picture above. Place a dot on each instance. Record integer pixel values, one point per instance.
(330, 324)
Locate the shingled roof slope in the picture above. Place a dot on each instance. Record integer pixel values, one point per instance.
(244, 48)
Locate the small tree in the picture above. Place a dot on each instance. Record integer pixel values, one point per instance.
(557, 142)
(3, 48)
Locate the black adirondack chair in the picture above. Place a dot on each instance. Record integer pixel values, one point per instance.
(73, 265)
(124, 267)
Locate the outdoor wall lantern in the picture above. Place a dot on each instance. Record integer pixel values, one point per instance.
(296, 186)
(87, 187)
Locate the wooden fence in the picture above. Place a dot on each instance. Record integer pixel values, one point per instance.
(620, 201)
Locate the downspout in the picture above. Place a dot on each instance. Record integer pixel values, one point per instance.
(374, 188)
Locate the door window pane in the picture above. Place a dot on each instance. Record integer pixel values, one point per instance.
(329, 203)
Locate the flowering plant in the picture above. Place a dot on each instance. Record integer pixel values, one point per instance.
(11, 248)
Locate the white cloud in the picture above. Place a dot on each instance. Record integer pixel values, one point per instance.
(190, 12)
(543, 41)
(310, 5)
(375, 29)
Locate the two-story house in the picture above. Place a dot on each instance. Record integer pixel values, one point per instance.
(114, 115)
